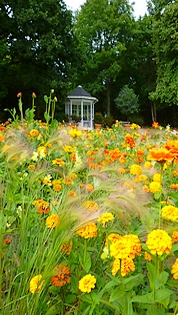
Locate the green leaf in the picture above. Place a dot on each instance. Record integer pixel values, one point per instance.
(161, 279)
(70, 298)
(146, 298)
(163, 296)
(85, 261)
(132, 281)
(116, 294)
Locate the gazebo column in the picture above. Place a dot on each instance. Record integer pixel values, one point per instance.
(70, 107)
(82, 112)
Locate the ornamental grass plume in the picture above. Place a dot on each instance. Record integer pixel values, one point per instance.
(159, 242)
(87, 283)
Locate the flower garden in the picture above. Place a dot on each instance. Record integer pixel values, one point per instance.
(88, 220)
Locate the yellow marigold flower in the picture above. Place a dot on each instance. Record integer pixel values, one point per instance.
(159, 242)
(57, 187)
(34, 132)
(157, 177)
(73, 176)
(175, 172)
(42, 151)
(89, 187)
(53, 220)
(127, 265)
(170, 212)
(87, 283)
(123, 248)
(140, 178)
(71, 194)
(36, 283)
(74, 133)
(88, 231)
(61, 276)
(148, 165)
(56, 182)
(58, 162)
(175, 237)
(90, 205)
(155, 187)
(106, 217)
(68, 149)
(135, 169)
(147, 256)
(145, 188)
(68, 181)
(116, 266)
(174, 269)
(174, 186)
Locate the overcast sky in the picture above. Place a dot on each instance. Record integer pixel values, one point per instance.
(139, 7)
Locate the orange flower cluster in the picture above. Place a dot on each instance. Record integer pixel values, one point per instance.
(88, 231)
(66, 248)
(159, 242)
(175, 237)
(170, 212)
(41, 206)
(61, 277)
(130, 141)
(160, 155)
(174, 186)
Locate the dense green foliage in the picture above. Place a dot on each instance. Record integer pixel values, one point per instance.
(44, 46)
(127, 101)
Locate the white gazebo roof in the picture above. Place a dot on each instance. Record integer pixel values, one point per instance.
(80, 93)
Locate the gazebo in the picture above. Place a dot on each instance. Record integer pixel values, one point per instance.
(80, 108)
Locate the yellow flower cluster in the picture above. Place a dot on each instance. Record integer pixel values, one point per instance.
(88, 231)
(170, 212)
(106, 217)
(159, 242)
(74, 133)
(174, 270)
(87, 283)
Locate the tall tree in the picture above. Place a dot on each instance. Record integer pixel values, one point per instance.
(165, 30)
(102, 28)
(38, 35)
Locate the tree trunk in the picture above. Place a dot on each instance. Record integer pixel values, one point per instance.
(153, 111)
(108, 98)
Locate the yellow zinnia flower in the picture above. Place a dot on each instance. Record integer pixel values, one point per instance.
(87, 283)
(88, 231)
(159, 242)
(53, 220)
(170, 212)
(36, 284)
(106, 217)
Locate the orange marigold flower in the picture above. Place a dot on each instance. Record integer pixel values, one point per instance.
(106, 217)
(1, 137)
(73, 176)
(174, 269)
(89, 187)
(174, 186)
(147, 256)
(34, 133)
(160, 155)
(87, 283)
(90, 205)
(175, 237)
(7, 240)
(130, 140)
(175, 172)
(88, 231)
(61, 276)
(41, 205)
(155, 124)
(36, 284)
(57, 187)
(71, 194)
(66, 248)
(170, 212)
(31, 167)
(135, 169)
(53, 220)
(159, 242)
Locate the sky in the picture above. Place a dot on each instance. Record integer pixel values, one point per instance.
(139, 7)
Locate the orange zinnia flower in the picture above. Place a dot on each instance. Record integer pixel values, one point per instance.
(61, 276)
(160, 155)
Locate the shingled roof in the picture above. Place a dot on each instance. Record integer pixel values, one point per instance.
(79, 92)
